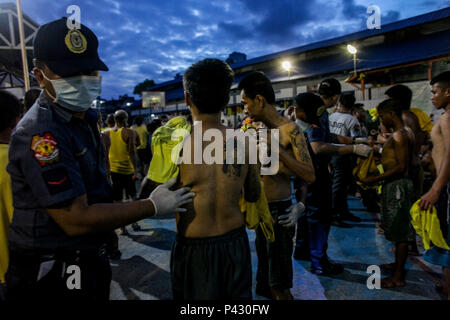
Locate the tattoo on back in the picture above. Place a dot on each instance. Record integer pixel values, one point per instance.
(234, 169)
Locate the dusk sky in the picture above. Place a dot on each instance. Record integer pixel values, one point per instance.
(157, 39)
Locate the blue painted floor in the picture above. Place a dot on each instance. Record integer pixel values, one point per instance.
(143, 270)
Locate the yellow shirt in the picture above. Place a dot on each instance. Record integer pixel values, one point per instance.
(6, 210)
(119, 158)
(143, 136)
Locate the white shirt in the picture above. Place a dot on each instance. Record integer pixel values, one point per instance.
(344, 124)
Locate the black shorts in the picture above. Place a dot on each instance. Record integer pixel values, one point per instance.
(144, 155)
(275, 258)
(212, 268)
(122, 182)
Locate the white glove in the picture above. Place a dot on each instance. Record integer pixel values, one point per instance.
(361, 150)
(290, 219)
(167, 202)
(361, 140)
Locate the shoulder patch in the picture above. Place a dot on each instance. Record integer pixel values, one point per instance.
(45, 149)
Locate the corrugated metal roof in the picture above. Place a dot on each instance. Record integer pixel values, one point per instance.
(345, 63)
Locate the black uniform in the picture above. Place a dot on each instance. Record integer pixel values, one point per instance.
(54, 158)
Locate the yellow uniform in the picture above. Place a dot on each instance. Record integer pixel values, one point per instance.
(143, 137)
(6, 210)
(119, 158)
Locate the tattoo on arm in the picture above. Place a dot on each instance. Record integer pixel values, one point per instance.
(300, 147)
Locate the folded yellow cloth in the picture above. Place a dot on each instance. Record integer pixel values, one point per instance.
(427, 227)
(366, 167)
(163, 167)
(258, 214)
(425, 122)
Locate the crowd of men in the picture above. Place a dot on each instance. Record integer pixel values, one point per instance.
(67, 183)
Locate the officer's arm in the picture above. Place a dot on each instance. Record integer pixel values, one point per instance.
(76, 217)
(323, 148)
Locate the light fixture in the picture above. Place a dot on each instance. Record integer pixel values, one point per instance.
(351, 49)
(287, 65)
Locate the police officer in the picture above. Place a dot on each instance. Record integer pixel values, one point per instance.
(63, 210)
(312, 118)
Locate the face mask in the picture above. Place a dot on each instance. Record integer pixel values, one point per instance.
(303, 125)
(76, 93)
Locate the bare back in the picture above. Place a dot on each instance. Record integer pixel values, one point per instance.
(218, 188)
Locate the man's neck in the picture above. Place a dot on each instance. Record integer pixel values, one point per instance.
(210, 119)
(398, 125)
(272, 118)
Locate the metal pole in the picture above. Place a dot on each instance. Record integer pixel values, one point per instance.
(22, 45)
(354, 62)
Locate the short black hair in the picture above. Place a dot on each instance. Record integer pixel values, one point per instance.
(208, 84)
(330, 87)
(402, 94)
(348, 100)
(120, 116)
(138, 120)
(11, 110)
(110, 120)
(443, 79)
(257, 83)
(30, 98)
(312, 105)
(391, 105)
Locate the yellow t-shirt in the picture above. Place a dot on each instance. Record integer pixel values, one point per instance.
(143, 137)
(6, 210)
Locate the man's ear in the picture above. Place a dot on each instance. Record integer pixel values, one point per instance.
(39, 77)
(260, 100)
(187, 99)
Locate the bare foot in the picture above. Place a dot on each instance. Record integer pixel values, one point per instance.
(380, 231)
(392, 282)
(123, 231)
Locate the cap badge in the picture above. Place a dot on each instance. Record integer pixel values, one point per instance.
(321, 110)
(75, 41)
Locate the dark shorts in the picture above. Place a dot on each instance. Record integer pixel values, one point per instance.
(212, 268)
(144, 155)
(23, 272)
(396, 201)
(436, 255)
(122, 182)
(275, 258)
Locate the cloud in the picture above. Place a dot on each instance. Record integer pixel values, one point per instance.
(157, 39)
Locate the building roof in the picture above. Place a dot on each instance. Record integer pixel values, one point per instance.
(372, 57)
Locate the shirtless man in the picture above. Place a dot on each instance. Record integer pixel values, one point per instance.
(439, 193)
(403, 95)
(397, 190)
(274, 276)
(211, 254)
